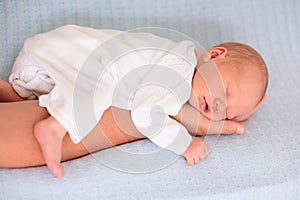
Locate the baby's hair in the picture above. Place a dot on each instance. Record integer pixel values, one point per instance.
(246, 56)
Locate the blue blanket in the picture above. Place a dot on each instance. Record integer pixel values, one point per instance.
(262, 164)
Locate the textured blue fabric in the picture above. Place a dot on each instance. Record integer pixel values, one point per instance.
(262, 164)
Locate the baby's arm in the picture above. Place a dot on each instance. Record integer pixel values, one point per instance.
(169, 134)
(200, 125)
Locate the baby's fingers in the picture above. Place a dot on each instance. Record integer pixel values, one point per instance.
(232, 127)
(196, 159)
(192, 160)
(220, 127)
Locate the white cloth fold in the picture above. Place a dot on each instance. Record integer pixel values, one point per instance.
(30, 82)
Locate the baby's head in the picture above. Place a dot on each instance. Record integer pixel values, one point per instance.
(230, 82)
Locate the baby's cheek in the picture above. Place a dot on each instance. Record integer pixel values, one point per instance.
(194, 102)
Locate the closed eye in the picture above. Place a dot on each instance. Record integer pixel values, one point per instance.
(227, 114)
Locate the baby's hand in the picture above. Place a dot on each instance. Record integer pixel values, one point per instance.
(197, 151)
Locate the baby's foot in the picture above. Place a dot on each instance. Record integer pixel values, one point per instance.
(49, 134)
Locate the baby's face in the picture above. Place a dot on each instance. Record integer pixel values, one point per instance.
(223, 93)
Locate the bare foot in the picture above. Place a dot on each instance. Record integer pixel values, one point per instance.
(49, 134)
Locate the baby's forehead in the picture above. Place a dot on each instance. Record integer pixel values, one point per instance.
(245, 71)
(245, 79)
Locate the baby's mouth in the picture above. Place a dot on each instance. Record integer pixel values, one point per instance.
(204, 106)
(213, 112)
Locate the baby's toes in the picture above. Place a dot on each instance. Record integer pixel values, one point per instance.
(56, 169)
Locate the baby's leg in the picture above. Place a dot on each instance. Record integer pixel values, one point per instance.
(49, 134)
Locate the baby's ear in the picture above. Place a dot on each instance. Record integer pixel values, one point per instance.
(214, 53)
(246, 116)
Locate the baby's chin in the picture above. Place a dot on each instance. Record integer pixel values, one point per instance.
(213, 116)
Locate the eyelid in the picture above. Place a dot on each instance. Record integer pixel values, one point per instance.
(227, 93)
(226, 103)
(226, 112)
(227, 90)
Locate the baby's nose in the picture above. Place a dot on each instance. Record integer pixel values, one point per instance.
(218, 106)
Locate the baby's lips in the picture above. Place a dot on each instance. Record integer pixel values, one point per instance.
(204, 107)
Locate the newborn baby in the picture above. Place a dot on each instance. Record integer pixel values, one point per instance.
(78, 72)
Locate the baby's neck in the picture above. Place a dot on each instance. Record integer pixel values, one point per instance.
(200, 55)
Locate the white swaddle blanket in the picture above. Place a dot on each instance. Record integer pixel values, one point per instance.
(29, 77)
(78, 72)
